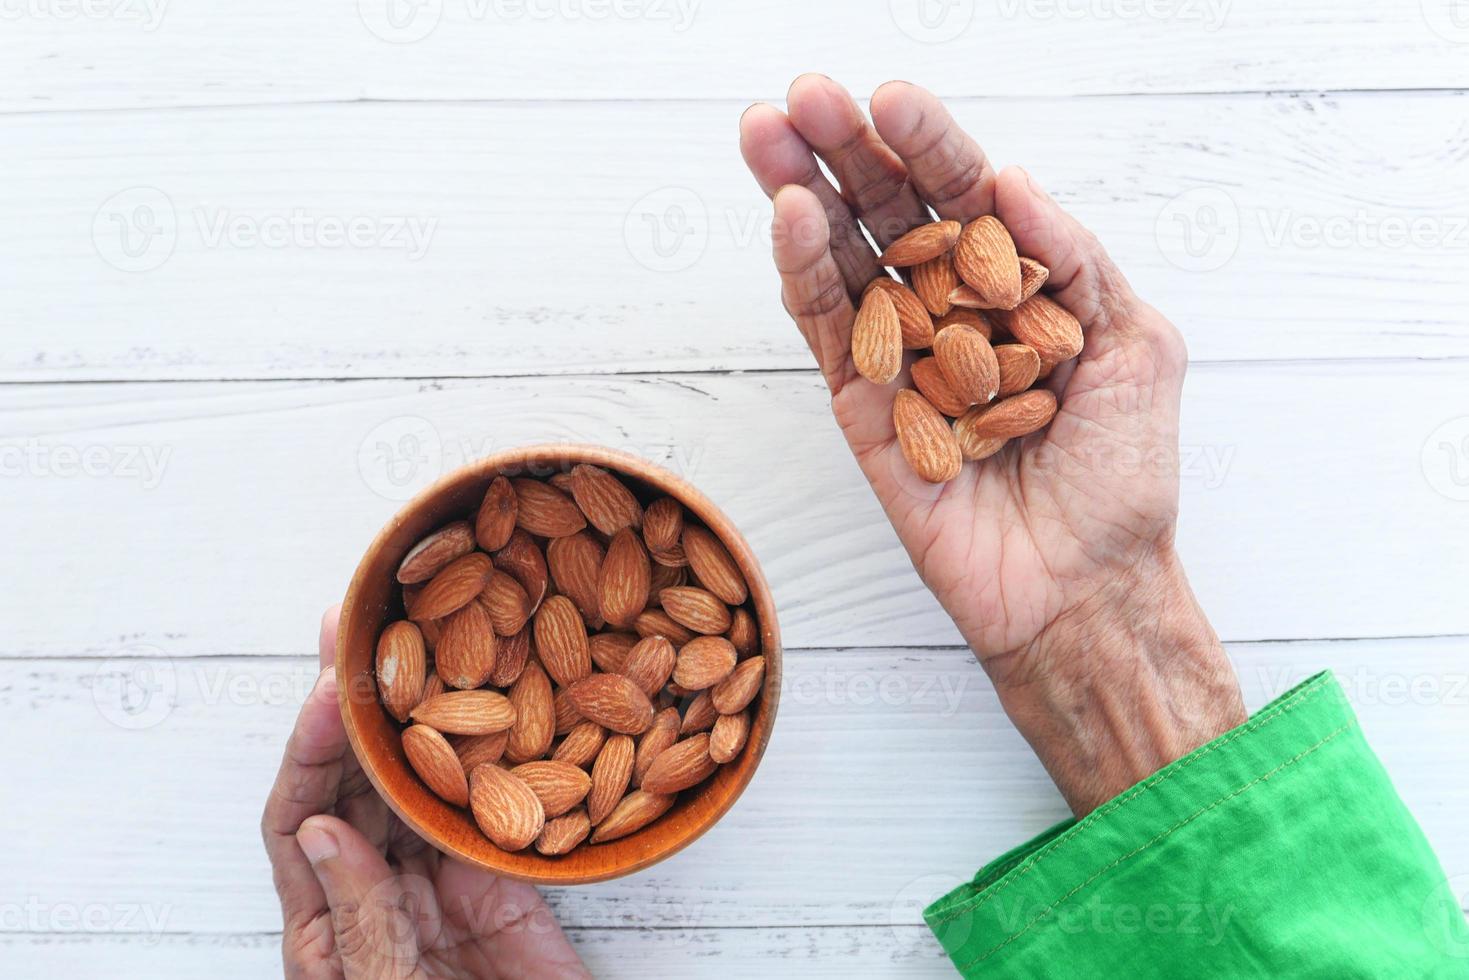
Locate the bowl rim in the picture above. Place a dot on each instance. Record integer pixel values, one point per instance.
(658, 478)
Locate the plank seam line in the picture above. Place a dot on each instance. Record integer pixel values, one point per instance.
(743, 100)
(653, 373)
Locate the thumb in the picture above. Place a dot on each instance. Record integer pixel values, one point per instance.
(373, 911)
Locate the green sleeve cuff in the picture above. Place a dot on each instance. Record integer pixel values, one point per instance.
(1280, 848)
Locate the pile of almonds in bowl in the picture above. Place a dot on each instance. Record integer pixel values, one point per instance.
(986, 335)
(569, 661)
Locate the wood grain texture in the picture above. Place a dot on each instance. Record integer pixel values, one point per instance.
(491, 244)
(194, 52)
(185, 781)
(1306, 510)
(838, 952)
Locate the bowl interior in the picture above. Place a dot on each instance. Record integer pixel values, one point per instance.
(373, 601)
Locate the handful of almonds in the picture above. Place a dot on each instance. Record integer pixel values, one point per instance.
(975, 306)
(570, 661)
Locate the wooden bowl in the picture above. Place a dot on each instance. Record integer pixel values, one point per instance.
(373, 600)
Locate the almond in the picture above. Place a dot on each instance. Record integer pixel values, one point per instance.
(921, 244)
(495, 520)
(714, 566)
(968, 363)
(558, 785)
(665, 577)
(969, 318)
(506, 602)
(649, 664)
(656, 622)
(466, 712)
(985, 258)
(737, 690)
(604, 499)
(925, 438)
(699, 716)
(663, 524)
(561, 480)
(680, 766)
(561, 641)
(976, 448)
(511, 655)
(612, 701)
(425, 559)
(1019, 366)
(964, 297)
(933, 281)
(465, 657)
(929, 379)
(1010, 418)
(522, 559)
(581, 744)
(1033, 276)
(610, 775)
(913, 318)
(636, 811)
(430, 628)
(506, 809)
(877, 339)
(609, 650)
(400, 668)
(535, 716)
(672, 557)
(476, 750)
(575, 562)
(432, 687)
(452, 588)
(564, 833)
(728, 736)
(1045, 325)
(743, 634)
(662, 734)
(703, 662)
(623, 582)
(544, 511)
(699, 610)
(434, 760)
(567, 717)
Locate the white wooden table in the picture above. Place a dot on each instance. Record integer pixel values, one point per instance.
(266, 268)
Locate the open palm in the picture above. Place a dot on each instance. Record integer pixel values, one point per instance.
(362, 895)
(1056, 522)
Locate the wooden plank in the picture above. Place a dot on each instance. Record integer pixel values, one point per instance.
(843, 951)
(159, 805)
(156, 53)
(222, 518)
(512, 239)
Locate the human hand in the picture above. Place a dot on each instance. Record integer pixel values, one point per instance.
(362, 895)
(1054, 557)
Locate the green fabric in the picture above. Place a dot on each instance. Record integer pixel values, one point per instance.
(1279, 849)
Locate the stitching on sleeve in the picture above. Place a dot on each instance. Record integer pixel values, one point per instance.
(975, 902)
(1162, 836)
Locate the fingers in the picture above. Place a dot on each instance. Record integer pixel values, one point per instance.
(509, 920)
(872, 178)
(375, 924)
(307, 784)
(946, 165)
(778, 156)
(811, 284)
(326, 639)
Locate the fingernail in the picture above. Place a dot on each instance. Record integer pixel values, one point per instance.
(319, 845)
(326, 682)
